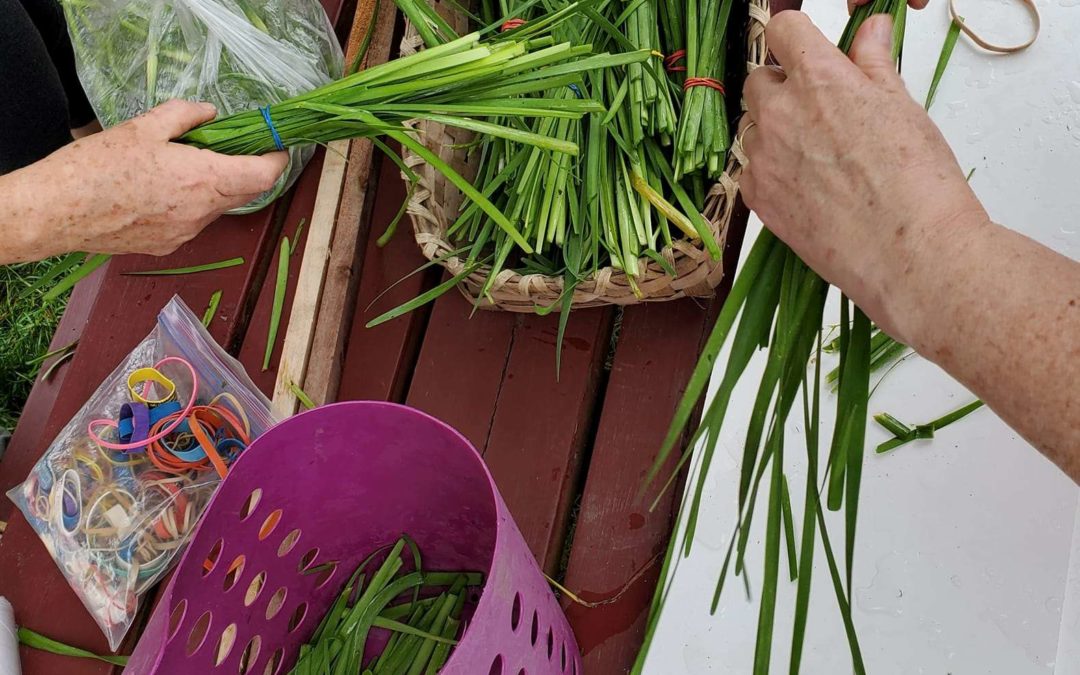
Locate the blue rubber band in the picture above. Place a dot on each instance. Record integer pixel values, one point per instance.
(265, 110)
(574, 88)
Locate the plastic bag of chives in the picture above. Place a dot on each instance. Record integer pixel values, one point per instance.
(237, 54)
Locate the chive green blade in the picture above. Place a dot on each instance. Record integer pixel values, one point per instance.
(38, 641)
(280, 287)
(211, 308)
(194, 269)
(89, 264)
(943, 60)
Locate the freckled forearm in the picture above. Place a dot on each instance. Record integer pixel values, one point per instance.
(35, 214)
(1001, 313)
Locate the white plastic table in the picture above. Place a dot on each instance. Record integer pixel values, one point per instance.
(968, 557)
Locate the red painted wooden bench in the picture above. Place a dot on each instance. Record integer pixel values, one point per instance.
(569, 455)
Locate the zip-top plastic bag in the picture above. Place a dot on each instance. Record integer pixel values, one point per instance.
(119, 492)
(237, 54)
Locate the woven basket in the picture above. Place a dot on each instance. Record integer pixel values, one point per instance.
(435, 203)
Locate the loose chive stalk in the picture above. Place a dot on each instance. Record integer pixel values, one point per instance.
(90, 263)
(943, 60)
(281, 285)
(40, 642)
(302, 396)
(903, 434)
(211, 308)
(193, 269)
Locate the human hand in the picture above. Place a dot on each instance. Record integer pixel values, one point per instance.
(130, 190)
(846, 167)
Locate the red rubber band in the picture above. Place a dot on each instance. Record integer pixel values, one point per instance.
(704, 82)
(511, 24)
(672, 61)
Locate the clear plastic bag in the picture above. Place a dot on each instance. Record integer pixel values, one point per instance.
(113, 505)
(237, 54)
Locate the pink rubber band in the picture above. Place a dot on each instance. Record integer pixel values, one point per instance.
(161, 434)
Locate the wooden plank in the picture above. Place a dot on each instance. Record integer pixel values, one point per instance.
(378, 361)
(462, 364)
(542, 426)
(325, 287)
(253, 345)
(338, 304)
(618, 544)
(294, 355)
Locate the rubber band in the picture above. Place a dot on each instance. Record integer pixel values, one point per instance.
(574, 88)
(704, 82)
(154, 436)
(671, 61)
(512, 24)
(81, 457)
(236, 408)
(149, 377)
(133, 425)
(67, 503)
(265, 110)
(990, 46)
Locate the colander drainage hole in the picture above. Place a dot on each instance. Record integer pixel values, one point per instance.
(297, 617)
(236, 568)
(276, 602)
(177, 617)
(225, 644)
(273, 664)
(212, 557)
(197, 636)
(250, 655)
(515, 613)
(496, 666)
(534, 633)
(288, 543)
(254, 589)
(269, 524)
(250, 503)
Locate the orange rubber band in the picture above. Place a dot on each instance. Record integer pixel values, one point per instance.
(511, 24)
(705, 82)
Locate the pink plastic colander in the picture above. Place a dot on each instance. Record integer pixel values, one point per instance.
(331, 486)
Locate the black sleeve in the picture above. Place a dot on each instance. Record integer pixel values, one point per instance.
(48, 16)
(33, 110)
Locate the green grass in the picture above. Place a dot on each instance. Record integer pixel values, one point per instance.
(27, 324)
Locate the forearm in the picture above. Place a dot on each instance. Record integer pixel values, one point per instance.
(1000, 313)
(34, 216)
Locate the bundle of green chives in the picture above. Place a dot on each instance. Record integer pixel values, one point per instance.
(704, 137)
(781, 303)
(457, 83)
(422, 610)
(619, 200)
